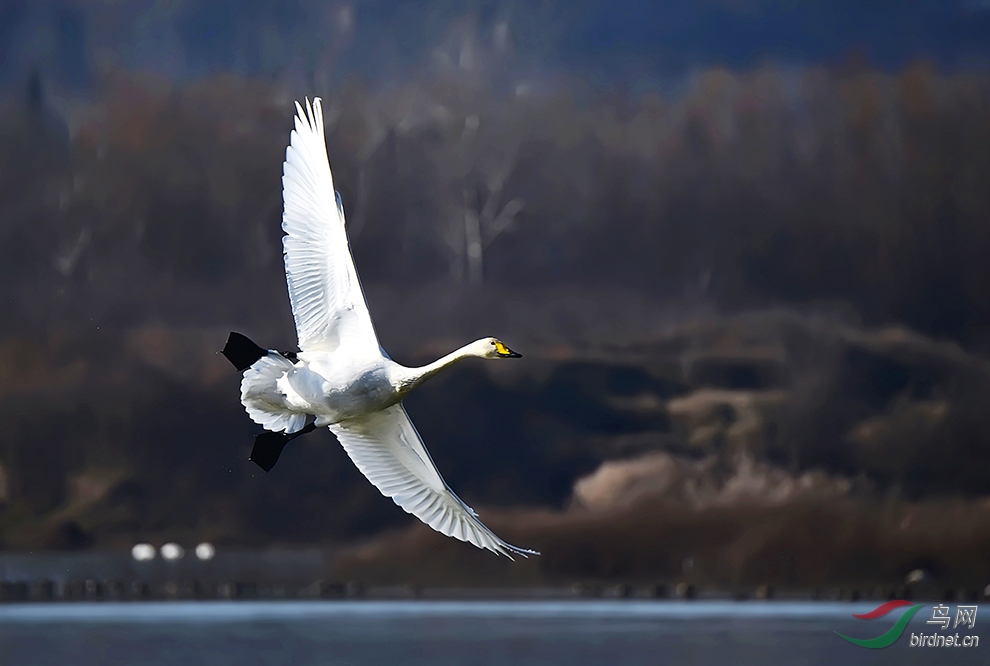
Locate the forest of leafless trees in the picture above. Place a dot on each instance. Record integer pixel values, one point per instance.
(769, 186)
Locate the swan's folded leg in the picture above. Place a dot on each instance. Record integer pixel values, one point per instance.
(268, 446)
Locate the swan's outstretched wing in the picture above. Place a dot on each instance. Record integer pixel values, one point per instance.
(327, 301)
(387, 449)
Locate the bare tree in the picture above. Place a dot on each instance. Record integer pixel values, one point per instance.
(474, 166)
(475, 156)
(485, 217)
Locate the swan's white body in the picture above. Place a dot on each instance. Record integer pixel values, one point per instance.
(341, 376)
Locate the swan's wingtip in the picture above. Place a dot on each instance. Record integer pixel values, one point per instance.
(309, 113)
(509, 550)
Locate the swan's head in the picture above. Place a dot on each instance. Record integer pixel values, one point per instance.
(494, 348)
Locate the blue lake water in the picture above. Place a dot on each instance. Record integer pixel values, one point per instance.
(463, 632)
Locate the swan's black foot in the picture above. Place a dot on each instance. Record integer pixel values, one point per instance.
(268, 446)
(241, 352)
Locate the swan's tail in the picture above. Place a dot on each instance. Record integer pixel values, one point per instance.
(262, 397)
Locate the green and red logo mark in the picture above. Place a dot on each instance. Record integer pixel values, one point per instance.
(888, 637)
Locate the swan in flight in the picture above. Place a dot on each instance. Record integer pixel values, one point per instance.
(341, 376)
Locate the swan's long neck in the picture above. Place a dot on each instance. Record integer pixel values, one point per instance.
(410, 378)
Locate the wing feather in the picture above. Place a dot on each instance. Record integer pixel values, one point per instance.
(328, 303)
(390, 453)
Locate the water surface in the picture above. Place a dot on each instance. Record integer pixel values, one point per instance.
(459, 632)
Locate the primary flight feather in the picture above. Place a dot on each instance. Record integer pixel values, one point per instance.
(341, 376)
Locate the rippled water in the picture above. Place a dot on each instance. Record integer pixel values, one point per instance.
(459, 632)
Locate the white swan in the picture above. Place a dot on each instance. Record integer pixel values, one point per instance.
(341, 376)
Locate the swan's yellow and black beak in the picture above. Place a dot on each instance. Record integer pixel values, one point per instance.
(505, 352)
